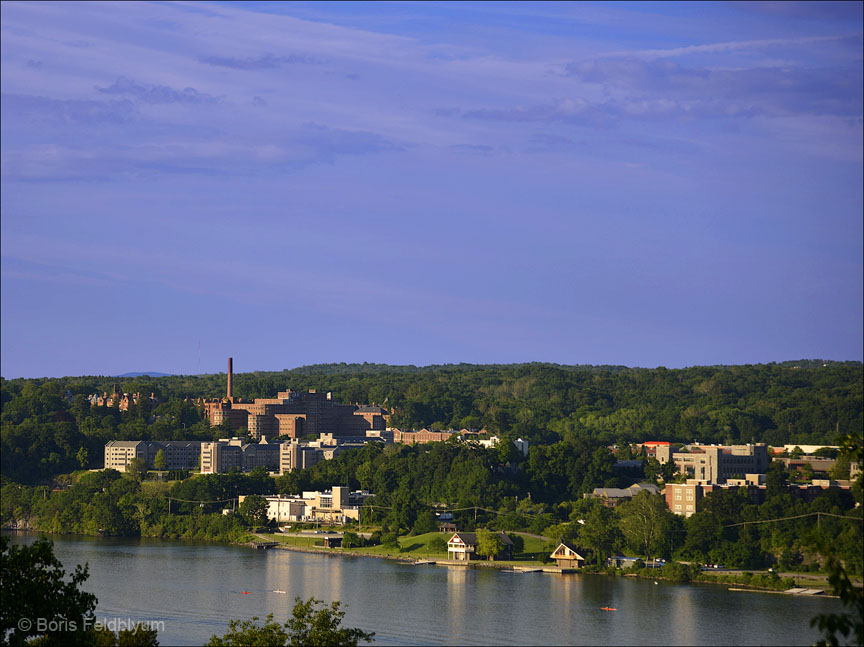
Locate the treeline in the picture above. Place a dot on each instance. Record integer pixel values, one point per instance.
(46, 422)
(48, 430)
(107, 503)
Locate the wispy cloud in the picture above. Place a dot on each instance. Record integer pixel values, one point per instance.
(294, 149)
(731, 46)
(81, 111)
(156, 93)
(264, 62)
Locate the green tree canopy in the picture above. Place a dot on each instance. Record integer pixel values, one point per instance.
(137, 468)
(645, 521)
(32, 587)
(254, 509)
(489, 544)
(312, 624)
(160, 462)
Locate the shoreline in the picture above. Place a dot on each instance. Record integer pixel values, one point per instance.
(473, 564)
(533, 567)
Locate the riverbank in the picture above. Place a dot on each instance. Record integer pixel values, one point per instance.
(732, 581)
(305, 544)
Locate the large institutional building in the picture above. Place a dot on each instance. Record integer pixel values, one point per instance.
(334, 506)
(293, 414)
(716, 463)
(179, 454)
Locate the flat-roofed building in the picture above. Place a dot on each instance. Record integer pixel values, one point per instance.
(293, 414)
(179, 454)
(335, 506)
(119, 453)
(422, 436)
(683, 498)
(716, 463)
(227, 454)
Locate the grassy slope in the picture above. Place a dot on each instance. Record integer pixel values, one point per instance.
(416, 547)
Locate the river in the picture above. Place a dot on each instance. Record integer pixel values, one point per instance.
(195, 588)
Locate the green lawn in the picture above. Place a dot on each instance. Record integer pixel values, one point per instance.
(415, 547)
(306, 542)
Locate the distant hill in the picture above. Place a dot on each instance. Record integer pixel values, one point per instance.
(143, 373)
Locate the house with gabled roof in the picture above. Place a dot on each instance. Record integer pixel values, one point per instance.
(567, 557)
(462, 546)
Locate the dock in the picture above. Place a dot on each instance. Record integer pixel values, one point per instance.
(263, 545)
(802, 591)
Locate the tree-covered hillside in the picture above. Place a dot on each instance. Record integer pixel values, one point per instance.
(44, 428)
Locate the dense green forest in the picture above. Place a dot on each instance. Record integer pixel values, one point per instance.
(48, 427)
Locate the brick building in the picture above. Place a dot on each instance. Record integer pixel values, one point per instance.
(119, 399)
(293, 414)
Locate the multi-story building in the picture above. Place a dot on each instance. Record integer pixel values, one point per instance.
(423, 436)
(296, 456)
(716, 463)
(179, 454)
(335, 506)
(293, 414)
(229, 454)
(373, 418)
(683, 498)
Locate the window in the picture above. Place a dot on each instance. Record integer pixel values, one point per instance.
(677, 494)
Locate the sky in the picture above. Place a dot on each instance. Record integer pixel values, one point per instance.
(641, 184)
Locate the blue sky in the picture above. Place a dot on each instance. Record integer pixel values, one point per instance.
(648, 184)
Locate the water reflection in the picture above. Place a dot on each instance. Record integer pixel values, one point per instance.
(197, 588)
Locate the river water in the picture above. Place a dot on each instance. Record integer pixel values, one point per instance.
(195, 588)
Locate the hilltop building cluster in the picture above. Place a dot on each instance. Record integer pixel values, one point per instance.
(297, 430)
(119, 399)
(294, 430)
(293, 414)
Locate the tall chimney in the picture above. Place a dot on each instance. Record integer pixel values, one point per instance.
(230, 376)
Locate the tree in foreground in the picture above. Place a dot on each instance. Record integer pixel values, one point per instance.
(33, 589)
(850, 623)
(645, 521)
(309, 625)
(39, 607)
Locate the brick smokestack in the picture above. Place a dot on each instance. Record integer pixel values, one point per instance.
(230, 376)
